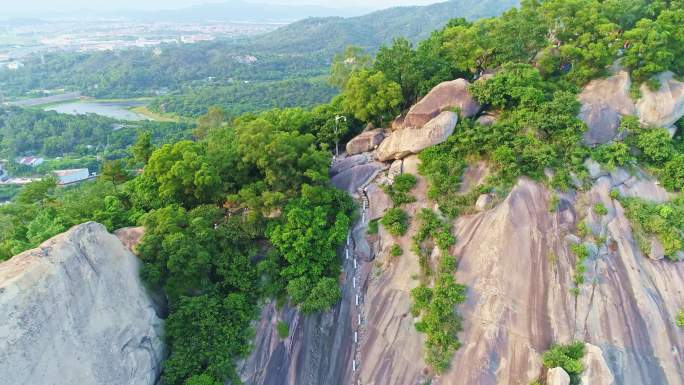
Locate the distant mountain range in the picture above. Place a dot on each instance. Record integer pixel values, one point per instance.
(242, 11)
(370, 31)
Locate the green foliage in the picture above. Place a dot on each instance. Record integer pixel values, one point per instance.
(583, 230)
(439, 319)
(553, 203)
(396, 250)
(114, 171)
(568, 357)
(33, 131)
(398, 191)
(612, 155)
(600, 209)
(680, 318)
(345, 64)
(515, 85)
(664, 221)
(204, 333)
(373, 227)
(142, 149)
(655, 145)
(237, 98)
(305, 242)
(656, 45)
(371, 97)
(41, 210)
(672, 175)
(581, 251)
(395, 221)
(203, 379)
(283, 329)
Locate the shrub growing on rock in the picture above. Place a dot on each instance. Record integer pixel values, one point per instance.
(567, 357)
(395, 221)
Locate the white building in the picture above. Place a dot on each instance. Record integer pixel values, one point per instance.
(31, 161)
(72, 176)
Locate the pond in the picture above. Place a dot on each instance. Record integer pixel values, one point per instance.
(116, 110)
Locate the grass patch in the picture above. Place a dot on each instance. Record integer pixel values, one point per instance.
(283, 329)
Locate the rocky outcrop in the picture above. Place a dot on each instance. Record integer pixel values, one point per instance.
(130, 236)
(406, 141)
(596, 370)
(557, 376)
(662, 107)
(604, 102)
(366, 141)
(354, 172)
(74, 311)
(445, 96)
(517, 265)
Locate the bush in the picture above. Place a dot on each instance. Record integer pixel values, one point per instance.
(655, 144)
(395, 221)
(672, 175)
(283, 329)
(396, 250)
(373, 227)
(398, 191)
(567, 357)
(680, 319)
(665, 221)
(581, 251)
(600, 209)
(612, 155)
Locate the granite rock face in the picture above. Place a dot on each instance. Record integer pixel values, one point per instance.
(73, 311)
(365, 141)
(445, 96)
(407, 141)
(604, 102)
(662, 107)
(557, 376)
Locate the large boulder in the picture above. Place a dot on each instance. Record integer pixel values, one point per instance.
(604, 102)
(445, 96)
(74, 311)
(596, 370)
(356, 177)
(557, 376)
(366, 141)
(663, 107)
(410, 140)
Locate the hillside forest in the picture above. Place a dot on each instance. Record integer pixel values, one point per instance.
(242, 210)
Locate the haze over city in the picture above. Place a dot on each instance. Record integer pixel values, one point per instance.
(38, 8)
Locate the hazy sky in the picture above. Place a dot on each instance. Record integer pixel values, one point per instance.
(19, 7)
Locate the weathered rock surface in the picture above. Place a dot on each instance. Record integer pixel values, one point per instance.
(445, 96)
(515, 261)
(365, 141)
(130, 236)
(317, 351)
(354, 172)
(406, 141)
(74, 311)
(596, 370)
(663, 107)
(557, 376)
(483, 202)
(604, 102)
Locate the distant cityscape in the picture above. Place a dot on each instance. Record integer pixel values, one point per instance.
(19, 39)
